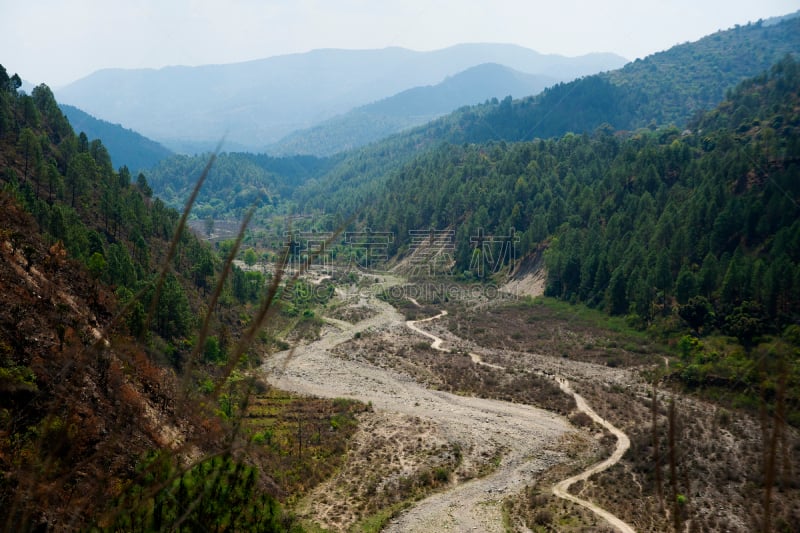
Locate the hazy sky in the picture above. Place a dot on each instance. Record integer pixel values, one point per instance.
(58, 41)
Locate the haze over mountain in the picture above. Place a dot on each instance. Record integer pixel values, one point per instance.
(665, 88)
(258, 102)
(411, 107)
(643, 93)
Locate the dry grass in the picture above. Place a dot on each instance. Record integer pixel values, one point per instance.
(393, 460)
(548, 328)
(537, 509)
(351, 313)
(719, 454)
(455, 372)
(719, 459)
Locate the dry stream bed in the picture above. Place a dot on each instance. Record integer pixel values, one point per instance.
(483, 450)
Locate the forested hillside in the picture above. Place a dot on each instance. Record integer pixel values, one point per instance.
(236, 182)
(632, 221)
(105, 218)
(111, 416)
(126, 147)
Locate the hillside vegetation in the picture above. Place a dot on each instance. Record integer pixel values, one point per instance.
(126, 147)
(654, 225)
(123, 386)
(236, 182)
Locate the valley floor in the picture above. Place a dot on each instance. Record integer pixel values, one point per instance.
(483, 449)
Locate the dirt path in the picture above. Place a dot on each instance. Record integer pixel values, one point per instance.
(561, 488)
(437, 341)
(526, 437)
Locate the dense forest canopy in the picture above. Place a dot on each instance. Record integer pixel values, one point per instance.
(632, 221)
(236, 182)
(104, 217)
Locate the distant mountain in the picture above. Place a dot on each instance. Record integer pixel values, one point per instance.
(126, 147)
(259, 102)
(410, 108)
(665, 88)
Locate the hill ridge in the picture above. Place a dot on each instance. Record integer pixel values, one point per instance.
(282, 91)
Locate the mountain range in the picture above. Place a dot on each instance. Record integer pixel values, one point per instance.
(410, 108)
(666, 88)
(643, 94)
(256, 103)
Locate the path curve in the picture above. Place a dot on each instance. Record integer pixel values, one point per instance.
(437, 341)
(561, 489)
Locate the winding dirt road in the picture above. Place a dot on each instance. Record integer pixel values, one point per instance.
(561, 489)
(437, 341)
(526, 436)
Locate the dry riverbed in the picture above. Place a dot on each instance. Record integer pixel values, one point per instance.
(476, 451)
